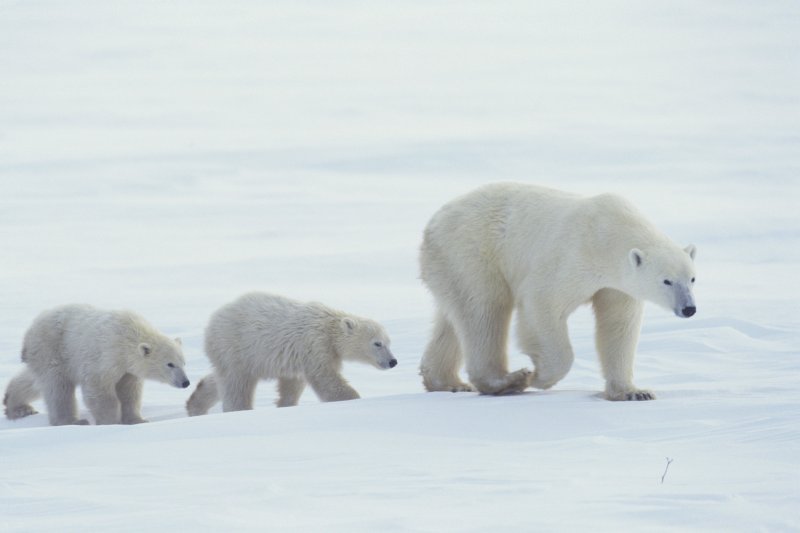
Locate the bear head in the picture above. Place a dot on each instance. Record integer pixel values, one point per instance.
(164, 361)
(664, 274)
(366, 341)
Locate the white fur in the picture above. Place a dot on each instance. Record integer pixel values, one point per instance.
(263, 336)
(543, 253)
(106, 353)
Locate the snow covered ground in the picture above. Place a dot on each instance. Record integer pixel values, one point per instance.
(168, 156)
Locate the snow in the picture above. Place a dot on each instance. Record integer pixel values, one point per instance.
(166, 157)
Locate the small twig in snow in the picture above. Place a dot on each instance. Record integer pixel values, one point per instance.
(669, 462)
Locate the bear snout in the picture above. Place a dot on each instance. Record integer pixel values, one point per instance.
(688, 311)
(393, 363)
(185, 383)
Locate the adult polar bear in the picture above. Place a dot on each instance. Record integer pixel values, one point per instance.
(543, 253)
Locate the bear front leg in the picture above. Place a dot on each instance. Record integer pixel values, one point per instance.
(443, 359)
(129, 393)
(544, 337)
(329, 385)
(21, 391)
(289, 391)
(619, 319)
(102, 402)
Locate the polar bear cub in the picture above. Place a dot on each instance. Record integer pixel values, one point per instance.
(264, 336)
(106, 353)
(542, 253)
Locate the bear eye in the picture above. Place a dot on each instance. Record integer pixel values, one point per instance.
(667, 282)
(378, 344)
(692, 280)
(170, 365)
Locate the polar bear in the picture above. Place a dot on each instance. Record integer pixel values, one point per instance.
(106, 353)
(543, 253)
(265, 336)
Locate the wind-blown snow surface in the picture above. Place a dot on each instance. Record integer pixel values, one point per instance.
(166, 157)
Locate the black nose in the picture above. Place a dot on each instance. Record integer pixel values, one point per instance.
(185, 384)
(689, 311)
(393, 363)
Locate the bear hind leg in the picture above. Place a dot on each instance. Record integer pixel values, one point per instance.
(59, 395)
(238, 392)
(484, 337)
(21, 391)
(289, 391)
(443, 359)
(204, 397)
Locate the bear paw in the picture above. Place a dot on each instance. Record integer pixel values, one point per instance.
(517, 381)
(634, 395)
(436, 385)
(21, 411)
(640, 395)
(511, 383)
(134, 420)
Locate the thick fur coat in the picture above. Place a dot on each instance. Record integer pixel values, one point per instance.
(265, 336)
(542, 253)
(105, 353)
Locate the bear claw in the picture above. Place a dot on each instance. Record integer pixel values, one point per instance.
(640, 395)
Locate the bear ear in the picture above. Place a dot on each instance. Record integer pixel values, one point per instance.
(691, 250)
(178, 341)
(636, 257)
(348, 325)
(145, 349)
